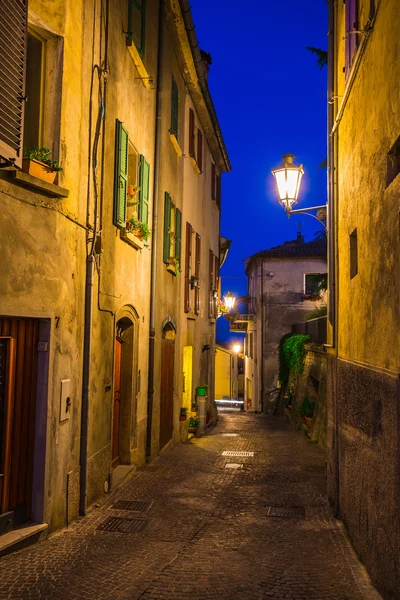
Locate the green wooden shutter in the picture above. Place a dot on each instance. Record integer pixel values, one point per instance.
(121, 174)
(137, 24)
(178, 234)
(144, 183)
(167, 226)
(174, 108)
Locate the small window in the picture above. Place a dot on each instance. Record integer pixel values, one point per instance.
(353, 254)
(33, 117)
(132, 204)
(393, 162)
(312, 283)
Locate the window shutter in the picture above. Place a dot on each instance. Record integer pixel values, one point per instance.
(197, 274)
(210, 284)
(121, 174)
(136, 24)
(188, 265)
(351, 38)
(174, 108)
(144, 183)
(216, 286)
(167, 226)
(191, 134)
(218, 185)
(178, 234)
(200, 150)
(213, 186)
(13, 24)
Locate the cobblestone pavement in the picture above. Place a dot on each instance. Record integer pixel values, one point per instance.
(261, 530)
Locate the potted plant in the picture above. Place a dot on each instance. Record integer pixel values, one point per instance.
(183, 414)
(194, 282)
(306, 411)
(132, 190)
(37, 162)
(174, 265)
(194, 423)
(141, 230)
(201, 390)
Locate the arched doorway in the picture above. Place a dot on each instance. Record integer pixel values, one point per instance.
(124, 401)
(167, 383)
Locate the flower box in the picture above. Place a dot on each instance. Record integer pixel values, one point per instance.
(38, 169)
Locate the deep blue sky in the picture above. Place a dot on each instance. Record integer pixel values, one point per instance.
(270, 99)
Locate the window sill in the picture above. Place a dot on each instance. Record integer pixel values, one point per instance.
(48, 189)
(175, 144)
(171, 270)
(141, 69)
(131, 239)
(195, 166)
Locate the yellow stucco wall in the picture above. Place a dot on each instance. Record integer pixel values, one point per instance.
(222, 374)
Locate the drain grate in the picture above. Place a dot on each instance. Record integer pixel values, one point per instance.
(237, 453)
(230, 434)
(121, 525)
(136, 505)
(286, 512)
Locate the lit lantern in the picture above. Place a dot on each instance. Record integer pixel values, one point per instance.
(236, 348)
(229, 300)
(288, 177)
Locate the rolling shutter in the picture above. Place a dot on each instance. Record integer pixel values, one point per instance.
(191, 134)
(197, 274)
(144, 183)
(136, 24)
(167, 226)
(13, 25)
(174, 108)
(121, 174)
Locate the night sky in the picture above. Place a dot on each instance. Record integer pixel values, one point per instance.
(270, 99)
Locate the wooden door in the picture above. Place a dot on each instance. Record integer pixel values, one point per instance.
(117, 402)
(18, 376)
(167, 391)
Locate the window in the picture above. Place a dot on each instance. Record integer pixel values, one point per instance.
(174, 109)
(172, 234)
(313, 282)
(33, 117)
(393, 162)
(137, 24)
(353, 254)
(213, 282)
(12, 92)
(351, 38)
(130, 200)
(192, 270)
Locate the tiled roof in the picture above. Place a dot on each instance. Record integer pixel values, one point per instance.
(294, 249)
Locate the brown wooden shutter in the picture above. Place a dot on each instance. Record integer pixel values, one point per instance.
(210, 285)
(13, 27)
(213, 186)
(200, 150)
(191, 134)
(197, 274)
(218, 184)
(188, 265)
(216, 285)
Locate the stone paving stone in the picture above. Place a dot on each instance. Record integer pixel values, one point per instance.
(210, 533)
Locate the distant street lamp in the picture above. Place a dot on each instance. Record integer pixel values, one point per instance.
(229, 300)
(236, 348)
(288, 179)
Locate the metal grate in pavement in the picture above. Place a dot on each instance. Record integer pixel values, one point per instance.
(237, 453)
(136, 505)
(121, 525)
(230, 434)
(286, 512)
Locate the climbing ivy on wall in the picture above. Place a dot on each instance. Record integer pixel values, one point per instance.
(291, 356)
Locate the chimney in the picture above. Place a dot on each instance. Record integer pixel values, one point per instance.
(300, 238)
(206, 61)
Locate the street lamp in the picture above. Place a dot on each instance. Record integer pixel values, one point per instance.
(288, 178)
(229, 300)
(236, 348)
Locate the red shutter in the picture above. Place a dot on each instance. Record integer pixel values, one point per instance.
(213, 186)
(12, 78)
(200, 150)
(197, 274)
(191, 134)
(188, 265)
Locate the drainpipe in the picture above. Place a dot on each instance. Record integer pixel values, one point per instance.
(156, 194)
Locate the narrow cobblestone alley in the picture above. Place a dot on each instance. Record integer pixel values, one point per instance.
(205, 528)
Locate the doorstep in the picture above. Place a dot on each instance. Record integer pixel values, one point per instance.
(22, 537)
(119, 474)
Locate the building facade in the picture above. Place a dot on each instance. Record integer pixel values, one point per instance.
(364, 307)
(282, 284)
(111, 269)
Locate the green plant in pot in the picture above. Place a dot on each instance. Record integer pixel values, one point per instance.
(138, 228)
(37, 162)
(183, 414)
(201, 390)
(194, 422)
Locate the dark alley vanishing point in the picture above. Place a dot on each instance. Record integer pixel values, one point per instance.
(198, 523)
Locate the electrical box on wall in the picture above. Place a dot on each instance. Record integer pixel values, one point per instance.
(65, 400)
